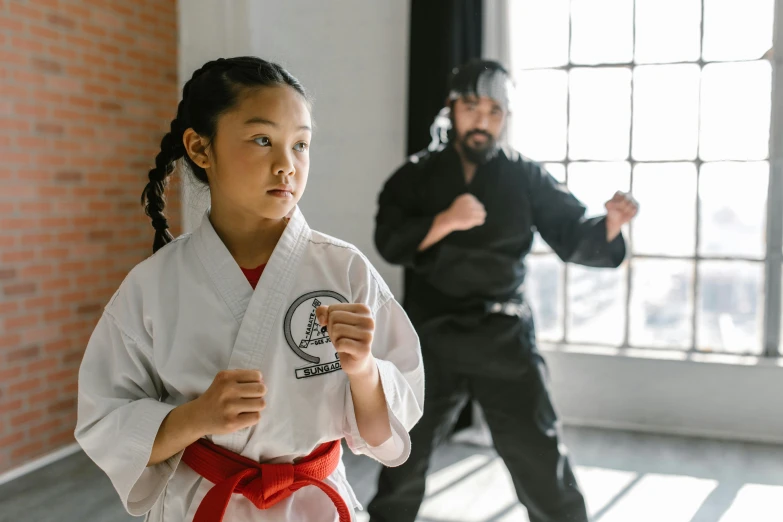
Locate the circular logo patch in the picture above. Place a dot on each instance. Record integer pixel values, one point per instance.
(305, 336)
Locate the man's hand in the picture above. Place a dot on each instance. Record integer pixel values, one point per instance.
(619, 210)
(350, 328)
(465, 212)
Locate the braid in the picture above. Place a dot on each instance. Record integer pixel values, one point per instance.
(171, 149)
(153, 196)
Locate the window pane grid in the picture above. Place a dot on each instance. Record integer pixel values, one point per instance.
(631, 65)
(701, 263)
(665, 257)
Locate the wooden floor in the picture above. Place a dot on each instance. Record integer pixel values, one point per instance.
(626, 478)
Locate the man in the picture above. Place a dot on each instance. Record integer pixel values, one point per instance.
(460, 218)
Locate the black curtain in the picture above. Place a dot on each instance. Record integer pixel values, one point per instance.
(443, 34)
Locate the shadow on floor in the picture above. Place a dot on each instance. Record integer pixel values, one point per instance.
(625, 476)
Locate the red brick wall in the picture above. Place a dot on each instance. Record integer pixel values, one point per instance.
(87, 88)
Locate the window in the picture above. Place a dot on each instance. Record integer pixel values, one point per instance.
(670, 99)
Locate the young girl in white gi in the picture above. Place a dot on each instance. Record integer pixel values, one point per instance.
(209, 394)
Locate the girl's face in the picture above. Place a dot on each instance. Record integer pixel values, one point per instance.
(260, 157)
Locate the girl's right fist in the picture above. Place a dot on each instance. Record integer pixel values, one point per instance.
(233, 401)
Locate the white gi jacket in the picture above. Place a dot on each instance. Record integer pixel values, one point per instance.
(188, 312)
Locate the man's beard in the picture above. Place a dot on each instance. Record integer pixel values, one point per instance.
(482, 154)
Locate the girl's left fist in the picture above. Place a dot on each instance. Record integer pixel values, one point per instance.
(350, 328)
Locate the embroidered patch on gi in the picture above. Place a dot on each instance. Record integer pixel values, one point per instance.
(308, 339)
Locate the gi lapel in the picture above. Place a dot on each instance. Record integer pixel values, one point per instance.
(224, 272)
(257, 312)
(267, 305)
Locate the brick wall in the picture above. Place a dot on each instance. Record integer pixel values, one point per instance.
(87, 88)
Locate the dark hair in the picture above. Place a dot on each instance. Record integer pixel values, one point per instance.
(464, 79)
(212, 90)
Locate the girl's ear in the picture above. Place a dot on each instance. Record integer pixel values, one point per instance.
(196, 147)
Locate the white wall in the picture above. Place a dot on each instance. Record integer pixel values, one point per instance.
(352, 57)
(704, 395)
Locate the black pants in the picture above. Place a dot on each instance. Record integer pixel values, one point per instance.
(523, 424)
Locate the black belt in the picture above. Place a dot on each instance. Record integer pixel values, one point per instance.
(514, 308)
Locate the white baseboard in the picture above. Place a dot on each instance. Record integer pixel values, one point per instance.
(39, 463)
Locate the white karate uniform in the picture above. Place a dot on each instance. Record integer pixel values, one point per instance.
(188, 312)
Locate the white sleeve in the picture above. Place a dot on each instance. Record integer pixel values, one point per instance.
(119, 413)
(398, 354)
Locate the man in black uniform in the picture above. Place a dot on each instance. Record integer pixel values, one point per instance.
(460, 218)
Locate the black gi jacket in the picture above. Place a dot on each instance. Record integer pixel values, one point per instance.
(465, 294)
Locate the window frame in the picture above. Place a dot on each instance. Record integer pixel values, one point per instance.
(772, 312)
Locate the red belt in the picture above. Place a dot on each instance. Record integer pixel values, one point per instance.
(263, 484)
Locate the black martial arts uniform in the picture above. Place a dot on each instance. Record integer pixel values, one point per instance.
(465, 296)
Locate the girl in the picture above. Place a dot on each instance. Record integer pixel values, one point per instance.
(228, 366)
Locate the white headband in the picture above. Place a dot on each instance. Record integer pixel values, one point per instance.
(492, 84)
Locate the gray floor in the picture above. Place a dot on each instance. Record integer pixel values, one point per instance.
(626, 478)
